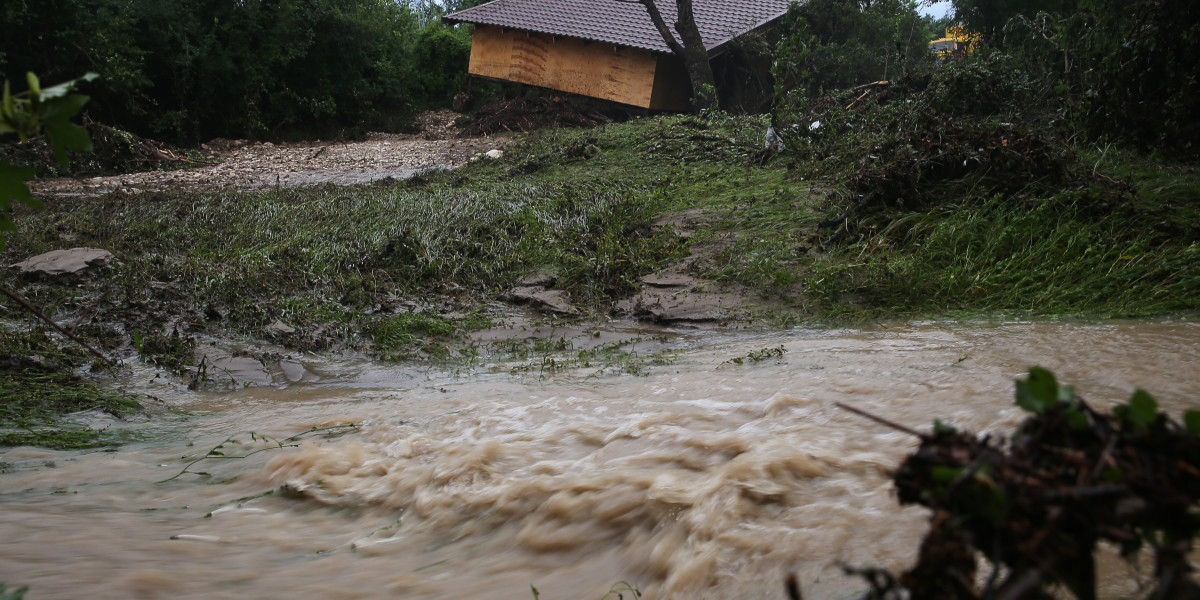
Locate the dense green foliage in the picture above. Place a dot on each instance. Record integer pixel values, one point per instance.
(1013, 179)
(1115, 69)
(29, 113)
(831, 44)
(196, 69)
(1107, 69)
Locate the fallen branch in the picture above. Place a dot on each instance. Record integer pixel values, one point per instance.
(882, 421)
(37, 313)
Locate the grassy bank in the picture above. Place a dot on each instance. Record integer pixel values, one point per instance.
(403, 270)
(591, 207)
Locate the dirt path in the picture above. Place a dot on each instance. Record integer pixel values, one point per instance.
(242, 166)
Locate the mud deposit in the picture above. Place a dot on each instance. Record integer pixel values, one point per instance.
(241, 166)
(710, 477)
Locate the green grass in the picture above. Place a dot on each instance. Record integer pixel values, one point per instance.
(411, 335)
(340, 263)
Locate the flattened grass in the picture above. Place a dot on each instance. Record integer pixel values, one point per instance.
(38, 388)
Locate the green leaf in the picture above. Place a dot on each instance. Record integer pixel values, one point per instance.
(1191, 420)
(940, 426)
(1066, 393)
(66, 87)
(35, 86)
(943, 474)
(1142, 408)
(1039, 392)
(63, 108)
(12, 185)
(64, 136)
(8, 112)
(1077, 419)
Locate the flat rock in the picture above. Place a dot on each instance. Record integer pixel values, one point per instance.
(671, 280)
(554, 301)
(674, 297)
(76, 261)
(281, 328)
(233, 371)
(692, 308)
(544, 279)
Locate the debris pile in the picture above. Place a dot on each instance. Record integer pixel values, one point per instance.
(1037, 506)
(113, 151)
(894, 145)
(529, 114)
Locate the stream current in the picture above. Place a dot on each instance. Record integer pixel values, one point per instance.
(700, 478)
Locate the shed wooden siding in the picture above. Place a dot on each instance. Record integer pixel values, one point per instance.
(597, 69)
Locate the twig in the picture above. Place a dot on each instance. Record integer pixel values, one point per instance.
(287, 442)
(869, 86)
(88, 312)
(37, 313)
(793, 587)
(882, 421)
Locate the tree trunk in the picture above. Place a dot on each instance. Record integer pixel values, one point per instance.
(691, 51)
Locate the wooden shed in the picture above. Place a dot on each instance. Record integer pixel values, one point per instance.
(605, 49)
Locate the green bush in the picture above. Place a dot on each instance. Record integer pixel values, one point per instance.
(195, 69)
(993, 83)
(831, 44)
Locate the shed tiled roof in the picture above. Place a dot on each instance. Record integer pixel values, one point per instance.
(622, 22)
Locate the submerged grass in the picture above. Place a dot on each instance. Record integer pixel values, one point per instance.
(39, 388)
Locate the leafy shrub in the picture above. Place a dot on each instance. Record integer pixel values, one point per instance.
(994, 83)
(196, 69)
(1037, 506)
(831, 44)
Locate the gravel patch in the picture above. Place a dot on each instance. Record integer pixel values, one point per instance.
(238, 165)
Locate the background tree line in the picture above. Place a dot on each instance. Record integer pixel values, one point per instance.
(191, 70)
(1120, 70)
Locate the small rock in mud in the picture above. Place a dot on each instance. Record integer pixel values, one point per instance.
(554, 301)
(59, 263)
(544, 279)
(280, 328)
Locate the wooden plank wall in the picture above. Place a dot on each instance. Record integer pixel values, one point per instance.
(595, 69)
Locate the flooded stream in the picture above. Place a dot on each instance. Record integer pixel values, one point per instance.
(700, 478)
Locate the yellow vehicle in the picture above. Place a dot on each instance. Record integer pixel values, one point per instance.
(958, 44)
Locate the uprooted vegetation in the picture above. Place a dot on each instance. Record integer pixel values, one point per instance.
(938, 206)
(1038, 506)
(114, 151)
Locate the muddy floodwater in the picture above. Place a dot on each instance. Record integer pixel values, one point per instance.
(699, 478)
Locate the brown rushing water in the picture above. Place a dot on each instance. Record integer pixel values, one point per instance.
(704, 479)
